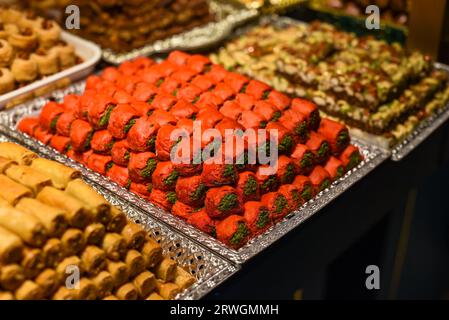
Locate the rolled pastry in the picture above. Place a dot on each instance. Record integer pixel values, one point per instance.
(64, 293)
(12, 191)
(145, 283)
(134, 235)
(94, 233)
(27, 227)
(29, 290)
(111, 297)
(135, 262)
(33, 262)
(6, 296)
(7, 83)
(152, 253)
(16, 153)
(74, 210)
(52, 218)
(53, 252)
(118, 271)
(93, 259)
(28, 177)
(10, 15)
(5, 164)
(11, 277)
(167, 290)
(29, 20)
(6, 53)
(24, 69)
(165, 270)
(104, 283)
(87, 290)
(72, 241)
(127, 292)
(96, 204)
(183, 279)
(48, 280)
(154, 296)
(7, 29)
(47, 62)
(117, 222)
(66, 268)
(48, 33)
(24, 40)
(59, 174)
(114, 245)
(10, 247)
(66, 54)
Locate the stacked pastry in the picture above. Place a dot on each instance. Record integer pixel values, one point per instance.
(367, 83)
(55, 228)
(30, 48)
(125, 25)
(122, 126)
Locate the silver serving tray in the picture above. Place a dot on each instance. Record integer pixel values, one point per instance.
(209, 268)
(398, 151)
(228, 15)
(373, 157)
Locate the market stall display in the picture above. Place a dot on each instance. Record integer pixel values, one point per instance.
(366, 83)
(122, 125)
(51, 220)
(37, 56)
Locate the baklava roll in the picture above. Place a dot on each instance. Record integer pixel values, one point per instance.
(118, 271)
(12, 191)
(165, 270)
(72, 241)
(63, 293)
(154, 296)
(11, 277)
(183, 279)
(134, 235)
(5, 164)
(29, 290)
(10, 15)
(6, 53)
(49, 281)
(114, 245)
(104, 283)
(27, 227)
(48, 33)
(10, 247)
(23, 68)
(97, 205)
(7, 83)
(4, 296)
(28, 177)
(135, 262)
(24, 40)
(53, 252)
(93, 259)
(66, 54)
(29, 20)
(64, 268)
(117, 222)
(59, 174)
(145, 283)
(127, 292)
(52, 218)
(111, 297)
(6, 29)
(74, 210)
(168, 290)
(33, 262)
(47, 62)
(87, 290)
(152, 253)
(16, 153)
(94, 233)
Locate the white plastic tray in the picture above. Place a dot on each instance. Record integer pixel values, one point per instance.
(89, 52)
